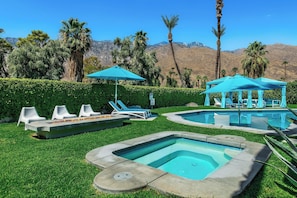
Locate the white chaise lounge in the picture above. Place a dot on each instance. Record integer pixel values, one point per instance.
(61, 112)
(133, 108)
(86, 110)
(217, 102)
(29, 114)
(132, 113)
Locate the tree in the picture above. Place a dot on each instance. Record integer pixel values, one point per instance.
(218, 33)
(170, 24)
(77, 39)
(122, 54)
(255, 62)
(92, 64)
(234, 70)
(130, 53)
(285, 65)
(204, 80)
(223, 72)
(35, 62)
(37, 37)
(187, 77)
(5, 49)
(170, 81)
(198, 78)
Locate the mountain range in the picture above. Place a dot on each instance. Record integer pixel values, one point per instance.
(201, 59)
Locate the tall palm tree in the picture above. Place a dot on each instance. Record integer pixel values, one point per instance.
(218, 33)
(170, 24)
(78, 39)
(255, 62)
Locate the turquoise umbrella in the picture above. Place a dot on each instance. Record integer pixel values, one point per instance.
(115, 73)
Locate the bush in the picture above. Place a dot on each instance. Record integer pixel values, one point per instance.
(46, 94)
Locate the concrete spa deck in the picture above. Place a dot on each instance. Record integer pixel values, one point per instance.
(70, 126)
(122, 175)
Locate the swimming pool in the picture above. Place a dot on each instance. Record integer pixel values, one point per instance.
(276, 118)
(184, 157)
(119, 174)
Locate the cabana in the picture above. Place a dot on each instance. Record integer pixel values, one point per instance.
(239, 83)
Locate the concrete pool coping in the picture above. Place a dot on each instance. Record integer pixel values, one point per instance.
(176, 117)
(123, 175)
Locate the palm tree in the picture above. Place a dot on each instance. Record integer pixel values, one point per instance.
(198, 78)
(204, 80)
(5, 48)
(78, 39)
(285, 64)
(234, 70)
(218, 33)
(170, 24)
(255, 62)
(223, 72)
(140, 40)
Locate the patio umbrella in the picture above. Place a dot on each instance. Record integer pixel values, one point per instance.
(115, 73)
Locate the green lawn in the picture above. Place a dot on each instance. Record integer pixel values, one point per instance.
(31, 167)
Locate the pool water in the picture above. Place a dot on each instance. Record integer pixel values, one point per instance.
(184, 157)
(276, 118)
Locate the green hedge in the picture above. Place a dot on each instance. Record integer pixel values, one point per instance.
(46, 94)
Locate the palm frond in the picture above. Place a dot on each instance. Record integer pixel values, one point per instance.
(292, 180)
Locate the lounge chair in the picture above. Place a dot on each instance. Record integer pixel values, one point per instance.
(29, 114)
(230, 103)
(254, 102)
(218, 102)
(61, 112)
(221, 120)
(133, 113)
(86, 111)
(133, 108)
(272, 102)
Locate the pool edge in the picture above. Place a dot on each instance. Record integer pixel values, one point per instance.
(233, 182)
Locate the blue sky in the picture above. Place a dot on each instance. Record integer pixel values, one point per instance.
(268, 21)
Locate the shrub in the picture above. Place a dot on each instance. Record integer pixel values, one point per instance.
(45, 94)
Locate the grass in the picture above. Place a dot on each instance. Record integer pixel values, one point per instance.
(31, 167)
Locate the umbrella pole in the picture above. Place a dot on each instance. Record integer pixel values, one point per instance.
(116, 93)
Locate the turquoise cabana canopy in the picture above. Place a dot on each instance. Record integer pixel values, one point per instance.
(277, 84)
(239, 83)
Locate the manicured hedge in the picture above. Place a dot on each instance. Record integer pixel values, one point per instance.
(45, 94)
